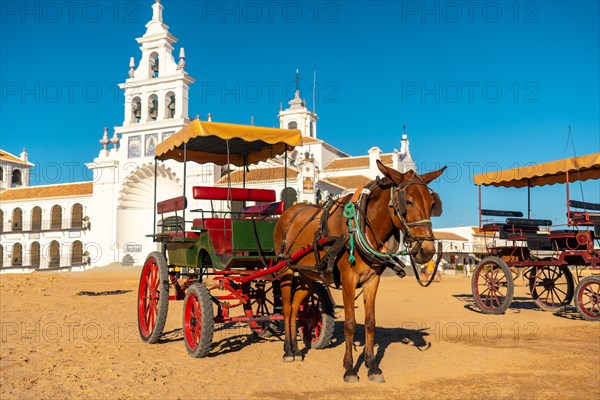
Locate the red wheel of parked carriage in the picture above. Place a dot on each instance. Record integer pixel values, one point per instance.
(153, 297)
(492, 286)
(587, 298)
(198, 320)
(552, 287)
(265, 301)
(316, 318)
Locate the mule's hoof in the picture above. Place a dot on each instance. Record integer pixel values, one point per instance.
(377, 378)
(350, 377)
(298, 356)
(288, 358)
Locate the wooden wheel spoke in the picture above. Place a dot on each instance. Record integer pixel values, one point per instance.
(560, 290)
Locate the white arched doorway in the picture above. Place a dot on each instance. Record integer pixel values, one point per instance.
(135, 210)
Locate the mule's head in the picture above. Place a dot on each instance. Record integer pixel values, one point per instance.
(414, 204)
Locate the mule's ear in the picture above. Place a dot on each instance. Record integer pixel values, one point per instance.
(391, 173)
(430, 176)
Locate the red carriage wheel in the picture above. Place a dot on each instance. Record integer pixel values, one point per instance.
(316, 318)
(265, 301)
(153, 297)
(552, 287)
(198, 320)
(492, 286)
(587, 298)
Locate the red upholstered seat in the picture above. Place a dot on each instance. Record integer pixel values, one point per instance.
(235, 194)
(171, 205)
(219, 232)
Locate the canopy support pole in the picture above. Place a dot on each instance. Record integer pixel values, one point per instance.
(528, 199)
(568, 199)
(184, 186)
(244, 167)
(155, 181)
(479, 189)
(285, 170)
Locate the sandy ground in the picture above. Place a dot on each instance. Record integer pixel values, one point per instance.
(431, 344)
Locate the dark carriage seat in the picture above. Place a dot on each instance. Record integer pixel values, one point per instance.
(584, 216)
(526, 229)
(496, 226)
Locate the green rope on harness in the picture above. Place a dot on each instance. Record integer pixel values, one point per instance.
(350, 215)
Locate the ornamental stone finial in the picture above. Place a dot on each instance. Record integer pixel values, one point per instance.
(105, 141)
(181, 64)
(115, 140)
(131, 67)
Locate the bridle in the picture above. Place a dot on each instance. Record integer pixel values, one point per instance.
(397, 203)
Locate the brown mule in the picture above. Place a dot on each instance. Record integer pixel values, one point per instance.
(401, 202)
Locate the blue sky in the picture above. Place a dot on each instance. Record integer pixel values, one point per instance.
(480, 85)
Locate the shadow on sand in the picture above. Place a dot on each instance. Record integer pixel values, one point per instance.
(518, 303)
(227, 338)
(384, 337)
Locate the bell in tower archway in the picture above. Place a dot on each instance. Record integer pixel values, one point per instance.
(137, 109)
(171, 107)
(153, 108)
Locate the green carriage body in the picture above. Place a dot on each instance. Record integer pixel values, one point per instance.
(250, 240)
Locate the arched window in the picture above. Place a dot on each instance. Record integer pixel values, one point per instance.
(16, 178)
(136, 109)
(35, 255)
(77, 253)
(153, 65)
(1, 256)
(152, 107)
(36, 219)
(17, 255)
(293, 125)
(77, 216)
(56, 217)
(170, 105)
(17, 219)
(54, 255)
(1, 174)
(289, 197)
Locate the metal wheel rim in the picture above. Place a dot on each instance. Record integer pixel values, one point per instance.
(192, 325)
(494, 279)
(592, 295)
(551, 295)
(149, 296)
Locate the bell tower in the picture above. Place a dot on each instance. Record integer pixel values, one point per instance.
(298, 116)
(156, 92)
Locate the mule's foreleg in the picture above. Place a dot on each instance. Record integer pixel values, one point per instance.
(348, 290)
(299, 295)
(369, 293)
(286, 299)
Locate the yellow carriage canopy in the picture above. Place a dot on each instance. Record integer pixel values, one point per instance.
(222, 143)
(579, 168)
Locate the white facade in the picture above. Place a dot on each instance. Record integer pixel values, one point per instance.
(119, 207)
(46, 232)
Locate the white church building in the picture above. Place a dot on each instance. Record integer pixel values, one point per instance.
(86, 224)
